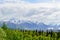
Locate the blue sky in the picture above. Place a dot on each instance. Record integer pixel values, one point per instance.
(37, 1)
(31, 1)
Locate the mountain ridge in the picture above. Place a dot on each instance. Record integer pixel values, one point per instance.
(28, 25)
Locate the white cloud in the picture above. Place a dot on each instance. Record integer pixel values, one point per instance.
(40, 12)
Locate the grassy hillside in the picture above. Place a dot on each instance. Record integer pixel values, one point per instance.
(10, 34)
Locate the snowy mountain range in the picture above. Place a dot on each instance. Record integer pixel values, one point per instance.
(28, 25)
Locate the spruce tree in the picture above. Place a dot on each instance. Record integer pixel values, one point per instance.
(4, 26)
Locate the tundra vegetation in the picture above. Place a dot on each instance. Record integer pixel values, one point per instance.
(16, 34)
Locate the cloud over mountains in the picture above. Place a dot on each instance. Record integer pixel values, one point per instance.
(47, 13)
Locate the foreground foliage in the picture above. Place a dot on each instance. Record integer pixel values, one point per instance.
(15, 34)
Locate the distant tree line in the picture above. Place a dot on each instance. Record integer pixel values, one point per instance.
(16, 34)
